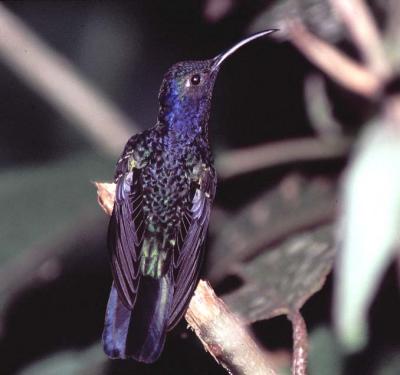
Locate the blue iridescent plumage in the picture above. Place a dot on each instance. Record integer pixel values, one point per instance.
(165, 186)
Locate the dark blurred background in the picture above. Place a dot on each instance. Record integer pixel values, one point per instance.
(54, 273)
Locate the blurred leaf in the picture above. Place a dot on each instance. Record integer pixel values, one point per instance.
(46, 262)
(369, 230)
(325, 356)
(46, 207)
(282, 279)
(91, 361)
(389, 365)
(215, 10)
(39, 203)
(317, 15)
(294, 205)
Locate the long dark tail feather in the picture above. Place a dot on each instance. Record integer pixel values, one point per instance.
(139, 333)
(115, 326)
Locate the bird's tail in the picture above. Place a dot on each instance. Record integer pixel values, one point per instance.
(138, 333)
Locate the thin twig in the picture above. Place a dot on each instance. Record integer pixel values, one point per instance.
(300, 344)
(319, 108)
(233, 163)
(391, 112)
(392, 33)
(51, 75)
(330, 60)
(364, 32)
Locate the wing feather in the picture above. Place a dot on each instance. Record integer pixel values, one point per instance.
(187, 258)
(124, 237)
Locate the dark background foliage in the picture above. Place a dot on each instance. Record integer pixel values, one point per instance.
(54, 272)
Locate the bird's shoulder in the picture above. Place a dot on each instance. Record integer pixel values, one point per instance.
(200, 167)
(138, 151)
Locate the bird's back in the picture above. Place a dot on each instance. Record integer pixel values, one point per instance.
(166, 184)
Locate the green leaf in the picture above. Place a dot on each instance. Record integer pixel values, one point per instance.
(39, 203)
(369, 228)
(325, 356)
(389, 364)
(317, 15)
(44, 209)
(91, 361)
(295, 204)
(282, 279)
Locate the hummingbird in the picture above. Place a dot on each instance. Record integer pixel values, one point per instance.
(165, 187)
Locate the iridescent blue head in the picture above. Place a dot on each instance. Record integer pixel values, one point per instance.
(186, 91)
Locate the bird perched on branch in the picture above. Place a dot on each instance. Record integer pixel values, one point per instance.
(165, 186)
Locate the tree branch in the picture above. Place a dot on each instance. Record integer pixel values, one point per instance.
(223, 335)
(365, 34)
(233, 163)
(334, 63)
(56, 79)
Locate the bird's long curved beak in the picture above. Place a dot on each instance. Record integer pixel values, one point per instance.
(218, 60)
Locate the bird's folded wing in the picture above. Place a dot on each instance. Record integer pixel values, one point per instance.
(188, 252)
(125, 234)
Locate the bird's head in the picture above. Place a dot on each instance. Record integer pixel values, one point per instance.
(187, 87)
(186, 91)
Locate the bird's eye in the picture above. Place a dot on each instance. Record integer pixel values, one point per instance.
(195, 79)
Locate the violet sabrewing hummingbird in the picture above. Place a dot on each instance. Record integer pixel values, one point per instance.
(165, 186)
